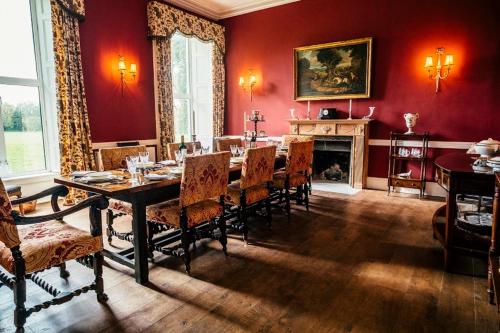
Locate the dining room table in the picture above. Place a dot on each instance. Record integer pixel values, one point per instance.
(141, 193)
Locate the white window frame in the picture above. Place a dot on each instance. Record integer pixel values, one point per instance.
(45, 82)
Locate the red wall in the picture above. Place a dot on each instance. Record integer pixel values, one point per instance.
(112, 28)
(404, 33)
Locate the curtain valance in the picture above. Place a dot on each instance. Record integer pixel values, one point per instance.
(75, 7)
(164, 20)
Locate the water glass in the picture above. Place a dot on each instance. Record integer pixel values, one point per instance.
(178, 157)
(240, 151)
(205, 149)
(132, 166)
(234, 150)
(144, 157)
(197, 151)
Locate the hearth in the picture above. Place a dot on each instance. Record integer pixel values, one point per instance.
(332, 158)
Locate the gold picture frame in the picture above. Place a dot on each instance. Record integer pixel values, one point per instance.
(339, 70)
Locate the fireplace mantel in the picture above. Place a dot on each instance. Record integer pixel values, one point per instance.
(357, 128)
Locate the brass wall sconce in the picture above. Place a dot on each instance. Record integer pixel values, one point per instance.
(439, 72)
(248, 83)
(122, 67)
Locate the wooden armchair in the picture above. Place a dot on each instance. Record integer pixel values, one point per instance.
(173, 147)
(254, 186)
(295, 175)
(30, 245)
(287, 138)
(224, 144)
(204, 178)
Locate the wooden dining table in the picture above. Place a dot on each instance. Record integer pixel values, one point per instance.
(140, 195)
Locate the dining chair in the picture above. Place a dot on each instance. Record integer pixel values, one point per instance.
(173, 147)
(295, 175)
(285, 141)
(224, 144)
(254, 186)
(30, 245)
(204, 178)
(111, 159)
(15, 191)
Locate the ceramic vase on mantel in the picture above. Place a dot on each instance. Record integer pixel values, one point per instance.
(411, 121)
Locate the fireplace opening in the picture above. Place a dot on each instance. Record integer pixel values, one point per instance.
(332, 159)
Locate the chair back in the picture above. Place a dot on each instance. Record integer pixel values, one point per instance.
(173, 147)
(224, 144)
(286, 139)
(204, 177)
(8, 230)
(299, 158)
(115, 157)
(258, 166)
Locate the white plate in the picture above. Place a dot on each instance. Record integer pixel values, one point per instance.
(168, 162)
(82, 173)
(176, 170)
(237, 160)
(155, 176)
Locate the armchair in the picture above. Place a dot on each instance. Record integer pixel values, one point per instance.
(30, 245)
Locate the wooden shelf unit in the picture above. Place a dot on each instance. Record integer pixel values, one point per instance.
(397, 163)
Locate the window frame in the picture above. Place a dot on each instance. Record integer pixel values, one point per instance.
(40, 14)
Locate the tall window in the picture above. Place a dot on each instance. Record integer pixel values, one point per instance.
(27, 94)
(192, 88)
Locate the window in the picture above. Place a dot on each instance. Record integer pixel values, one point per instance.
(28, 119)
(192, 88)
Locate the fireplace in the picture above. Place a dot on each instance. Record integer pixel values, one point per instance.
(332, 158)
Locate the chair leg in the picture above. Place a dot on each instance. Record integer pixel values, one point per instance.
(99, 282)
(19, 299)
(306, 196)
(186, 241)
(287, 202)
(109, 223)
(151, 249)
(223, 237)
(490, 290)
(63, 272)
(244, 217)
(309, 180)
(269, 216)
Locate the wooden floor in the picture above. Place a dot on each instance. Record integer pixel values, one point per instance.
(363, 263)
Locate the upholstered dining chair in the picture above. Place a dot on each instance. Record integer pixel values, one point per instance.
(287, 138)
(30, 245)
(224, 144)
(201, 200)
(111, 159)
(173, 147)
(298, 163)
(254, 186)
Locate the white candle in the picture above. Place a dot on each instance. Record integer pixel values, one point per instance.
(350, 105)
(308, 110)
(244, 122)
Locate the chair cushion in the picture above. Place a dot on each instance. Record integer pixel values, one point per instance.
(253, 194)
(13, 189)
(120, 206)
(47, 244)
(296, 179)
(169, 212)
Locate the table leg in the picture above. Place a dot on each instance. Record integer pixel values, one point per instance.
(140, 242)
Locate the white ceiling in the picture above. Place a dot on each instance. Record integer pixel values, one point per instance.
(219, 9)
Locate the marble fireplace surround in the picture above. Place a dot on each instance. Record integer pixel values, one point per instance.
(358, 129)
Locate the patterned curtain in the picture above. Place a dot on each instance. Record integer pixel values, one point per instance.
(163, 73)
(74, 130)
(163, 21)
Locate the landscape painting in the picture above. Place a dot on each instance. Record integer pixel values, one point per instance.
(339, 70)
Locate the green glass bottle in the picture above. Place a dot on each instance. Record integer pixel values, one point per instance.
(182, 145)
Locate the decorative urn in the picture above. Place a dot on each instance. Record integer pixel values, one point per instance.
(411, 121)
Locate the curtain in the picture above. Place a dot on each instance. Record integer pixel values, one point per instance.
(163, 21)
(74, 130)
(164, 93)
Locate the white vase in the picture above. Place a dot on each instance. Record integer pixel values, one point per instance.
(411, 121)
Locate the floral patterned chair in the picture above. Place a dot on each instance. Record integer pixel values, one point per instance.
(173, 147)
(112, 159)
(30, 245)
(255, 184)
(224, 144)
(295, 175)
(204, 178)
(287, 138)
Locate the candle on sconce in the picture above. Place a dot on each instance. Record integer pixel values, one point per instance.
(244, 122)
(350, 109)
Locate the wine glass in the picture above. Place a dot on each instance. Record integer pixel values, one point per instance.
(205, 149)
(178, 157)
(240, 151)
(132, 167)
(234, 150)
(143, 157)
(197, 151)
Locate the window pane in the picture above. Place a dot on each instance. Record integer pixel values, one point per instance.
(180, 65)
(22, 126)
(181, 116)
(17, 55)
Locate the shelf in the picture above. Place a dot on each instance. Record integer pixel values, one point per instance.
(408, 158)
(404, 178)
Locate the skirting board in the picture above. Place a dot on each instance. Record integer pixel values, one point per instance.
(431, 189)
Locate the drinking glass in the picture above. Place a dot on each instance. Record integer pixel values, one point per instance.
(240, 151)
(234, 150)
(184, 153)
(132, 167)
(178, 157)
(144, 157)
(197, 151)
(205, 149)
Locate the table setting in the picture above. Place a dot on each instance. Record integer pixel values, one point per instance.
(488, 160)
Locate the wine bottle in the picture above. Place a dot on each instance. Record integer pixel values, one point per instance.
(182, 145)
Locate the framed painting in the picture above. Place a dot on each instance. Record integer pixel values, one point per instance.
(339, 70)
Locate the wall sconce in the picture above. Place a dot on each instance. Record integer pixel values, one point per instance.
(247, 84)
(437, 72)
(122, 67)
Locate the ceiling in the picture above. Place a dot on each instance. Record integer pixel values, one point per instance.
(219, 9)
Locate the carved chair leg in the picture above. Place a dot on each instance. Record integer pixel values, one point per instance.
(186, 241)
(269, 216)
(151, 248)
(99, 282)
(63, 272)
(309, 180)
(19, 299)
(306, 196)
(244, 218)
(223, 237)
(287, 203)
(109, 223)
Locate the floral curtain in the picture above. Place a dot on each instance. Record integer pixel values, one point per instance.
(163, 21)
(74, 130)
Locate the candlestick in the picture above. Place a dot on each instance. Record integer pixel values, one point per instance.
(244, 122)
(350, 109)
